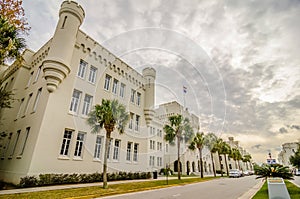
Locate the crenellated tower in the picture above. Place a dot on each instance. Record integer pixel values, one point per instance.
(57, 64)
(150, 75)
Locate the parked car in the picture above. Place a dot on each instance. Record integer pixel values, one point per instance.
(297, 172)
(246, 173)
(234, 173)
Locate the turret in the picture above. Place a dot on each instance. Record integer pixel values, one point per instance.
(150, 75)
(57, 64)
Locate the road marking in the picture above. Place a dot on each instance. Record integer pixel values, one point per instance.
(176, 195)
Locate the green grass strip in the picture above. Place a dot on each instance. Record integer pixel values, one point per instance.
(98, 191)
(293, 190)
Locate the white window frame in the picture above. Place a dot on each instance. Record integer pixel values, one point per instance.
(128, 151)
(122, 90)
(27, 104)
(93, 74)
(87, 102)
(130, 125)
(25, 141)
(132, 95)
(98, 145)
(135, 152)
(137, 122)
(138, 99)
(75, 102)
(115, 86)
(66, 143)
(81, 69)
(79, 147)
(117, 147)
(38, 72)
(37, 99)
(107, 82)
(109, 149)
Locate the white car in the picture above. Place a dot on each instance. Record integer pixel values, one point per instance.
(234, 173)
(297, 172)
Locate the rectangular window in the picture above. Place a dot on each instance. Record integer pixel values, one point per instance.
(138, 102)
(132, 95)
(6, 145)
(93, 74)
(29, 80)
(66, 143)
(98, 147)
(38, 73)
(20, 108)
(107, 82)
(87, 104)
(117, 150)
(109, 147)
(131, 121)
(25, 140)
(115, 86)
(27, 104)
(152, 160)
(79, 145)
(135, 152)
(37, 98)
(75, 101)
(128, 154)
(81, 69)
(137, 122)
(122, 90)
(16, 142)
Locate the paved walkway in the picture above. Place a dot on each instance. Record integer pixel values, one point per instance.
(247, 195)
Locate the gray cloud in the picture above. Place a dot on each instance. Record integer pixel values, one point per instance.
(283, 130)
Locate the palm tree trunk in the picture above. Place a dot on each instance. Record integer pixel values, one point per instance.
(201, 162)
(236, 166)
(227, 171)
(213, 163)
(105, 186)
(220, 163)
(178, 158)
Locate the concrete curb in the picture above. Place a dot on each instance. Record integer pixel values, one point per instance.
(253, 190)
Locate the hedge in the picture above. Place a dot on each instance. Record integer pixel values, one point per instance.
(58, 179)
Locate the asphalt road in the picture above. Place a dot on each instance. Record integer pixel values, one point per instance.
(296, 180)
(224, 188)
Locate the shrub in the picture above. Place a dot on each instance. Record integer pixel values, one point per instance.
(55, 179)
(28, 181)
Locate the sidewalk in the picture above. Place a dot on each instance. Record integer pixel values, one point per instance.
(253, 190)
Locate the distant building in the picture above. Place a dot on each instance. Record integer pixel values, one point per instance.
(288, 149)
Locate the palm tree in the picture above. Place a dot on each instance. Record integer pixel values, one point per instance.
(11, 44)
(179, 129)
(225, 149)
(218, 149)
(198, 143)
(236, 156)
(210, 141)
(109, 115)
(247, 158)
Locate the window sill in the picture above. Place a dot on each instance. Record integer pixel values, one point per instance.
(19, 157)
(96, 160)
(63, 157)
(77, 158)
(73, 113)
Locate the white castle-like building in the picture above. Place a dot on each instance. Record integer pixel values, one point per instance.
(56, 87)
(288, 150)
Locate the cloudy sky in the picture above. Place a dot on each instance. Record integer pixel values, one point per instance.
(238, 59)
